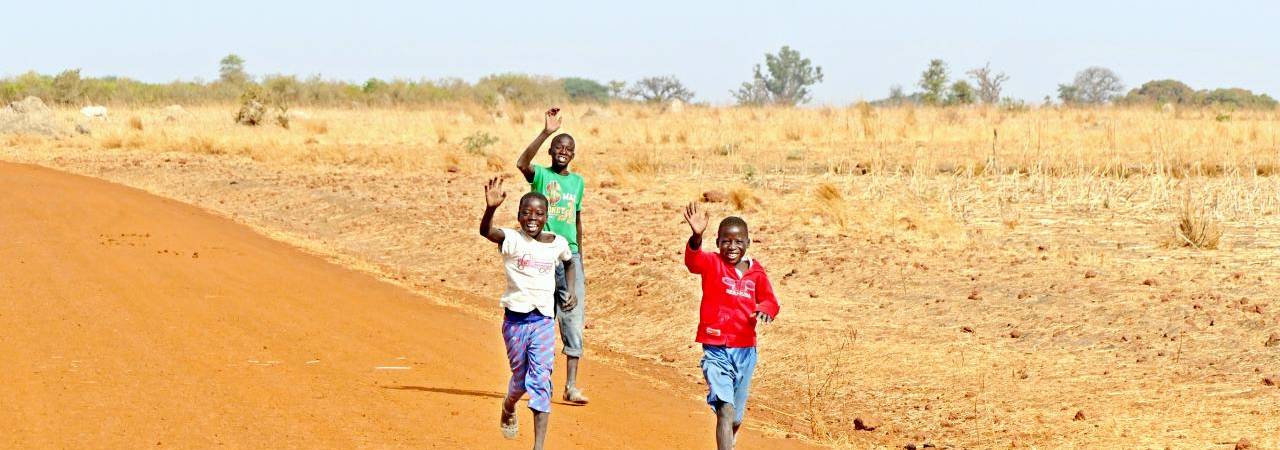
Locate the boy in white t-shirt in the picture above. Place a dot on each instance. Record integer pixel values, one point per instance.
(528, 328)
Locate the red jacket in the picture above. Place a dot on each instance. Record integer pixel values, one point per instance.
(729, 302)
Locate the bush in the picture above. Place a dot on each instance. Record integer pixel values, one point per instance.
(520, 89)
(252, 107)
(584, 90)
(477, 143)
(1163, 91)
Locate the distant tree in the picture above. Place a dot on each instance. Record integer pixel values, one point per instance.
(1163, 91)
(989, 85)
(1237, 98)
(754, 93)
(1095, 85)
(68, 88)
(282, 90)
(618, 89)
(584, 90)
(660, 90)
(231, 70)
(961, 93)
(372, 85)
(519, 89)
(1068, 94)
(896, 95)
(934, 82)
(786, 83)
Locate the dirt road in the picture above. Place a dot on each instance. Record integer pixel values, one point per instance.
(127, 320)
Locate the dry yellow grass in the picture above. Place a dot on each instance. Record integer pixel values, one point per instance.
(888, 232)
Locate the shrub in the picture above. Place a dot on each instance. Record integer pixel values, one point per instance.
(477, 143)
(584, 90)
(1196, 227)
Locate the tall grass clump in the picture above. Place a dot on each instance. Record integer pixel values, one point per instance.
(1196, 227)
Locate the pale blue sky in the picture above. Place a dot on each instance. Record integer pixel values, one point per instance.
(863, 47)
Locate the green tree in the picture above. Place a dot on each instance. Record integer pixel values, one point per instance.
(1068, 94)
(754, 93)
(786, 83)
(1164, 91)
(231, 70)
(617, 89)
(934, 82)
(372, 85)
(961, 93)
(660, 90)
(68, 88)
(584, 90)
(1237, 98)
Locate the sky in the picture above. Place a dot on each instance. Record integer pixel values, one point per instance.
(864, 48)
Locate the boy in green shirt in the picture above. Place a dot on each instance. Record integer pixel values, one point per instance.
(564, 217)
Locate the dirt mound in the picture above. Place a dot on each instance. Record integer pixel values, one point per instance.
(30, 116)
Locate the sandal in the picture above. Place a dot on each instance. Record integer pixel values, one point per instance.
(509, 424)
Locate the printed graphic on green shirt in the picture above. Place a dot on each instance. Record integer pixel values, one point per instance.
(564, 201)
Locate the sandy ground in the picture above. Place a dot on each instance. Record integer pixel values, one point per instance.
(908, 315)
(133, 321)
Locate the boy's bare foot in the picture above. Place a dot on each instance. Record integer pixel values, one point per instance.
(510, 423)
(574, 395)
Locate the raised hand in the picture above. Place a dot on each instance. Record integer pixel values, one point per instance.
(696, 217)
(552, 121)
(493, 193)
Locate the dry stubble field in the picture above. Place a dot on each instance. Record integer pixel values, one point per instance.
(971, 278)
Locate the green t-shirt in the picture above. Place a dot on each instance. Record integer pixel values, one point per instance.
(564, 198)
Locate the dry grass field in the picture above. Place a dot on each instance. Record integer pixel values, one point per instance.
(971, 278)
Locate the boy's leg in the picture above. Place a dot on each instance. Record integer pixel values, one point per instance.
(724, 426)
(537, 381)
(512, 336)
(572, 324)
(744, 361)
(540, 428)
(718, 370)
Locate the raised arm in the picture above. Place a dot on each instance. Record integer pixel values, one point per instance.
(697, 219)
(493, 196)
(525, 163)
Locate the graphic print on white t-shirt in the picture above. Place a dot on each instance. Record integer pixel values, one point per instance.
(530, 267)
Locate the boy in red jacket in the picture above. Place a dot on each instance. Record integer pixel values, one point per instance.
(735, 295)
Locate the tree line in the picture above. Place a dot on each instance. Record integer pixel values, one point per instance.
(784, 79)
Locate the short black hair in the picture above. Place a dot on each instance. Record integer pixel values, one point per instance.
(533, 195)
(572, 143)
(734, 221)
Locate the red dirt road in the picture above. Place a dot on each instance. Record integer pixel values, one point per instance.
(131, 321)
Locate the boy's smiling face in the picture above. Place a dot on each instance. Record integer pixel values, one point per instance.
(532, 215)
(733, 241)
(562, 150)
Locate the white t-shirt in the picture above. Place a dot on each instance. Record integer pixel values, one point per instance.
(531, 271)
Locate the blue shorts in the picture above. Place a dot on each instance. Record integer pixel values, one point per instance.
(571, 322)
(728, 371)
